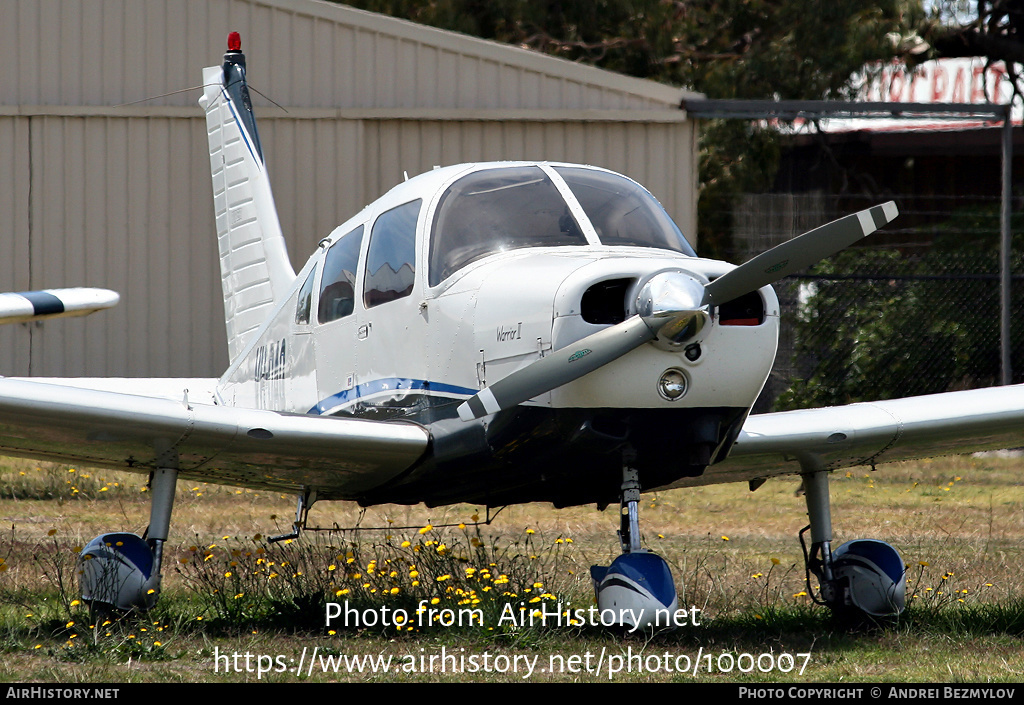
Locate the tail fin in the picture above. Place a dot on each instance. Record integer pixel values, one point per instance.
(254, 265)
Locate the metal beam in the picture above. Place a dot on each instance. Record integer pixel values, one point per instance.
(821, 109)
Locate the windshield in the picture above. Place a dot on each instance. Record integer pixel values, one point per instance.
(496, 210)
(622, 212)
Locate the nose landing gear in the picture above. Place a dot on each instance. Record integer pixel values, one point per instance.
(637, 587)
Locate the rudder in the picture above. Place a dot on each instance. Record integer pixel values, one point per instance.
(254, 265)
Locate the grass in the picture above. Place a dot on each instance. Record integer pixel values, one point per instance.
(957, 522)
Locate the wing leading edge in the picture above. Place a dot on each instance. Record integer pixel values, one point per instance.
(339, 458)
(872, 432)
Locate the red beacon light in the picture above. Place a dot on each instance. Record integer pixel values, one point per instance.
(234, 42)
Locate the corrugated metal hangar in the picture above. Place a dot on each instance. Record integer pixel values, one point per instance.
(100, 190)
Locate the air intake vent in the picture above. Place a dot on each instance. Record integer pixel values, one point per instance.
(605, 302)
(747, 310)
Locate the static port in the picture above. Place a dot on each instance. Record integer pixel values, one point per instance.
(692, 352)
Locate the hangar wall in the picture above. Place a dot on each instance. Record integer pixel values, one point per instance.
(104, 194)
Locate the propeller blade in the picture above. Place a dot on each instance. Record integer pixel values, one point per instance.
(799, 253)
(558, 368)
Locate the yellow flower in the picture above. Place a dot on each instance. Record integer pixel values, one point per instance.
(426, 528)
(725, 538)
(775, 561)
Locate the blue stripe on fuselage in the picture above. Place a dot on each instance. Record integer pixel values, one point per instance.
(383, 385)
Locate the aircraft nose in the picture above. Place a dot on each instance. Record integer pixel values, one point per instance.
(671, 304)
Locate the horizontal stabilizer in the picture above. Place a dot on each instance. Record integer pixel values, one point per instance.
(54, 303)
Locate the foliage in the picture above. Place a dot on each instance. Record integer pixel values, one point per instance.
(992, 29)
(430, 576)
(876, 325)
(726, 49)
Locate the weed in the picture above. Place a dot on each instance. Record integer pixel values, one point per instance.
(434, 578)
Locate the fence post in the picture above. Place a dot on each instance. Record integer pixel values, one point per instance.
(1005, 245)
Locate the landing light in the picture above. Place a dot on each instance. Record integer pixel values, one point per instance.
(672, 385)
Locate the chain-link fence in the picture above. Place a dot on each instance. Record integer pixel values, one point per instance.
(914, 311)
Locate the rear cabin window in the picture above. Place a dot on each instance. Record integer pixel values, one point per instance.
(623, 212)
(391, 260)
(305, 302)
(338, 285)
(497, 210)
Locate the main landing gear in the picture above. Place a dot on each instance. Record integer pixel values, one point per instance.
(637, 587)
(861, 577)
(123, 570)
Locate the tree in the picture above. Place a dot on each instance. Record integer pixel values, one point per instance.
(993, 30)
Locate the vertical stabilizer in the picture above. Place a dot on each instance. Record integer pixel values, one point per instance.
(254, 265)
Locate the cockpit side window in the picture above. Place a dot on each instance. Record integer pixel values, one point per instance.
(305, 300)
(622, 212)
(338, 285)
(497, 210)
(391, 259)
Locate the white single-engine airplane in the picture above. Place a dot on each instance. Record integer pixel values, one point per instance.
(491, 334)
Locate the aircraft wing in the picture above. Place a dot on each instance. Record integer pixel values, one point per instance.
(67, 421)
(872, 432)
